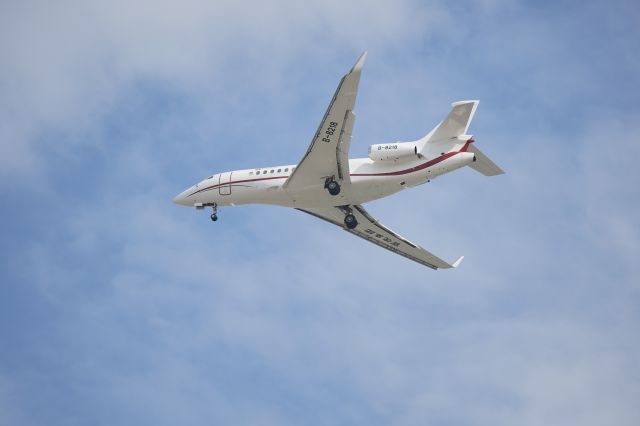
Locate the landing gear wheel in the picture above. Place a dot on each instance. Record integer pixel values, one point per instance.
(350, 221)
(214, 212)
(333, 187)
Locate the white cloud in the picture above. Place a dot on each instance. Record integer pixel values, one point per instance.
(610, 194)
(407, 344)
(269, 316)
(66, 67)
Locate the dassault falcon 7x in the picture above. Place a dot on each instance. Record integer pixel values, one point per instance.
(330, 186)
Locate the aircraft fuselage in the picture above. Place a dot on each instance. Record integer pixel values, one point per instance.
(370, 180)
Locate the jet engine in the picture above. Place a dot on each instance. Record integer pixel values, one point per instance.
(393, 151)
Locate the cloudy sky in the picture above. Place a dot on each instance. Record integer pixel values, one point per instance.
(119, 307)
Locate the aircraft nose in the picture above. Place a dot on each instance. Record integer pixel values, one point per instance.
(181, 198)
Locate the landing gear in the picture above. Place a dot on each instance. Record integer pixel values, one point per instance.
(214, 214)
(350, 221)
(332, 186)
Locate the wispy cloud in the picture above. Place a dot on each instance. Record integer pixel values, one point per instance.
(84, 58)
(119, 307)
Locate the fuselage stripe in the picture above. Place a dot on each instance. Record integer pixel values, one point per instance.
(418, 167)
(397, 173)
(236, 182)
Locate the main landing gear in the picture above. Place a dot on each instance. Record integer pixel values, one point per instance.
(350, 221)
(214, 214)
(332, 186)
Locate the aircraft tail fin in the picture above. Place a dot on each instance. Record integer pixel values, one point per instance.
(482, 163)
(452, 132)
(454, 124)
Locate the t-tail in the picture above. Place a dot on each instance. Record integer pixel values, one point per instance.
(451, 134)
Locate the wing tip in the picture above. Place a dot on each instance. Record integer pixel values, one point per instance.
(457, 262)
(359, 63)
(469, 101)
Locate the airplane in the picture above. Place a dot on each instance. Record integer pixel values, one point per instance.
(330, 186)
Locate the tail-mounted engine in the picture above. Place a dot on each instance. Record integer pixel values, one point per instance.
(393, 151)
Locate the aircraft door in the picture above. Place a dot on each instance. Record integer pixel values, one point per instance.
(224, 180)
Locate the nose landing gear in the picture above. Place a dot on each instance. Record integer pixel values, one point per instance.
(214, 214)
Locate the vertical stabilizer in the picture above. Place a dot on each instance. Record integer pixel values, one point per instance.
(456, 123)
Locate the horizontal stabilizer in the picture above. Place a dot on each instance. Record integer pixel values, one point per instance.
(483, 164)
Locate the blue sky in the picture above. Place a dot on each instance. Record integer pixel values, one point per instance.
(118, 307)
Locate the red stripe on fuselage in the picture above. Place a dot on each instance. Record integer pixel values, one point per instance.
(236, 182)
(421, 166)
(397, 173)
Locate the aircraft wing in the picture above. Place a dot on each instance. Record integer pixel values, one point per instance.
(373, 231)
(328, 154)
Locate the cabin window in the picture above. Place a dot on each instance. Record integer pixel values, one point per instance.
(271, 170)
(286, 170)
(250, 173)
(279, 170)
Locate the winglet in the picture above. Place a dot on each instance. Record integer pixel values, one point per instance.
(457, 262)
(359, 63)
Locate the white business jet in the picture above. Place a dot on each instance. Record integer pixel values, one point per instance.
(330, 186)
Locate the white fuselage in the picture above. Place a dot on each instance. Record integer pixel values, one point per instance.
(370, 180)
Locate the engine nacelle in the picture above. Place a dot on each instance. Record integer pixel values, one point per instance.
(393, 151)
